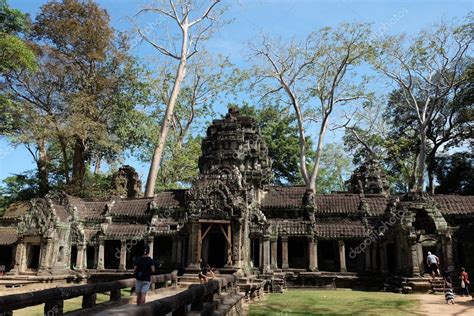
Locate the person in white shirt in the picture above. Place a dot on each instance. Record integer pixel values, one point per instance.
(433, 262)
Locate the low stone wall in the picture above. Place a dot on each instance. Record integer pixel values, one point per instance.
(54, 298)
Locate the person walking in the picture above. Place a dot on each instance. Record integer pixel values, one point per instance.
(448, 288)
(144, 267)
(465, 282)
(433, 262)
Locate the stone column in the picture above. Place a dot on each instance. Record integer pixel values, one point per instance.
(398, 255)
(448, 252)
(367, 259)
(174, 253)
(383, 257)
(20, 257)
(100, 260)
(260, 253)
(373, 251)
(193, 245)
(274, 258)
(179, 251)
(46, 255)
(151, 244)
(414, 258)
(266, 254)
(313, 253)
(123, 255)
(284, 252)
(80, 257)
(342, 256)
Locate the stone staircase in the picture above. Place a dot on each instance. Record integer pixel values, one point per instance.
(407, 285)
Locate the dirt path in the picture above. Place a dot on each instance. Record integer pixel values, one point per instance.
(436, 305)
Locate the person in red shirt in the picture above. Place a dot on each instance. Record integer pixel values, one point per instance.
(465, 282)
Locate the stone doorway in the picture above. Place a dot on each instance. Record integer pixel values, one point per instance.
(6, 258)
(215, 242)
(73, 258)
(433, 250)
(33, 257)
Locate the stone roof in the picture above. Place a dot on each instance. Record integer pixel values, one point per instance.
(16, 209)
(8, 235)
(455, 204)
(341, 229)
(126, 230)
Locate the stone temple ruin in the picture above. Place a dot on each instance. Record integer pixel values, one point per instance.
(236, 220)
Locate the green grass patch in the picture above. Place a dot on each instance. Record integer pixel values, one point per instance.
(334, 302)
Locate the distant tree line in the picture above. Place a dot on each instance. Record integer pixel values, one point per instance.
(73, 94)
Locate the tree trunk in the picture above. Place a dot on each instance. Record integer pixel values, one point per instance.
(319, 149)
(78, 163)
(42, 165)
(158, 152)
(420, 176)
(63, 144)
(97, 164)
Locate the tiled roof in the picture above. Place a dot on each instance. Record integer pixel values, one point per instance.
(337, 203)
(139, 207)
(8, 235)
(170, 199)
(377, 205)
(455, 204)
(342, 229)
(91, 209)
(291, 197)
(131, 207)
(125, 230)
(284, 197)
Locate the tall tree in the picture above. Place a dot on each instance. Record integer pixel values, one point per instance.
(315, 78)
(426, 69)
(84, 98)
(455, 174)
(195, 22)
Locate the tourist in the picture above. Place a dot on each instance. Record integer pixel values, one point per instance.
(144, 267)
(433, 262)
(465, 282)
(448, 288)
(206, 274)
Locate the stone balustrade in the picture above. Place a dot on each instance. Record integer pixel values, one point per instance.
(198, 298)
(54, 298)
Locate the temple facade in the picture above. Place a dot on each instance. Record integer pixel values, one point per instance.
(233, 218)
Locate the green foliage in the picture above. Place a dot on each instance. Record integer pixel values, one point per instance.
(455, 174)
(279, 131)
(180, 164)
(12, 21)
(335, 169)
(18, 187)
(15, 55)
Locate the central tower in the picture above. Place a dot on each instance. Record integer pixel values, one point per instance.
(234, 169)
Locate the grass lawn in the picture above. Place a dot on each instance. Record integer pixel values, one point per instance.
(69, 305)
(334, 302)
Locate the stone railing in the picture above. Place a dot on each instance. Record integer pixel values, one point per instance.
(198, 298)
(53, 299)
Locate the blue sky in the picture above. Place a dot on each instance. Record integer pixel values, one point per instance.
(251, 18)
